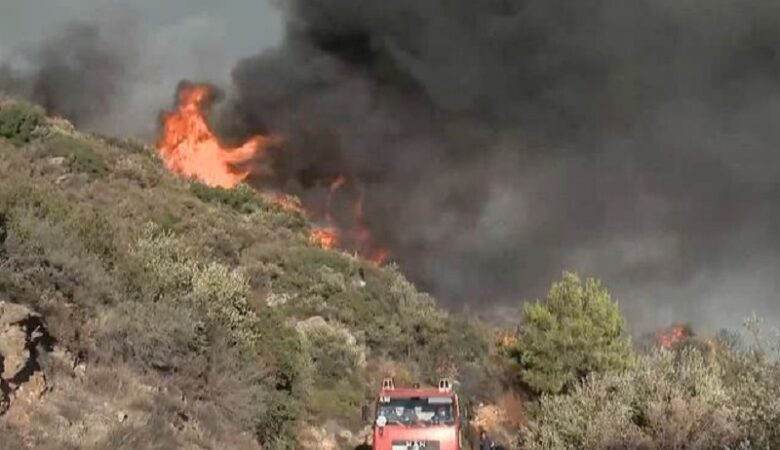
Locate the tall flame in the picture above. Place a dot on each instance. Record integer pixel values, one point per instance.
(359, 234)
(365, 240)
(189, 147)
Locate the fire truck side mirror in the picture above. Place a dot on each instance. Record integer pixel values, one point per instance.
(365, 414)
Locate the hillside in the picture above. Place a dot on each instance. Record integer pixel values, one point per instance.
(160, 313)
(140, 310)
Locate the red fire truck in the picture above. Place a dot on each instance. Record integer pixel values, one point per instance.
(418, 418)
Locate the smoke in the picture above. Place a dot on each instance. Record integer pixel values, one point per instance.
(111, 68)
(496, 142)
(81, 72)
(500, 142)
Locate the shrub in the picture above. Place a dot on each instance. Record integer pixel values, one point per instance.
(153, 335)
(95, 232)
(576, 331)
(42, 200)
(334, 351)
(242, 199)
(51, 258)
(685, 399)
(125, 144)
(80, 155)
(18, 121)
(164, 269)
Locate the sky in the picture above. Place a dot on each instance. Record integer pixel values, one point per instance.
(193, 39)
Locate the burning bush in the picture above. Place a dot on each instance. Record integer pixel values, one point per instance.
(190, 148)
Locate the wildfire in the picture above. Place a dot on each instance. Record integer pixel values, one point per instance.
(286, 202)
(506, 339)
(365, 240)
(190, 148)
(668, 337)
(325, 237)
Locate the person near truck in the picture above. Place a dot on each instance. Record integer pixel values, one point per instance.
(485, 443)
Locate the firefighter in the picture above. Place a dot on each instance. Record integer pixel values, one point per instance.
(484, 441)
(443, 414)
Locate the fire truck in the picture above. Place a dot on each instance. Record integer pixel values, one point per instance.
(427, 418)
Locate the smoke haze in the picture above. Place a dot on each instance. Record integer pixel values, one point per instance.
(500, 142)
(111, 65)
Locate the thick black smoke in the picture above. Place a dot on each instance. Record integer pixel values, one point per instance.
(503, 141)
(82, 72)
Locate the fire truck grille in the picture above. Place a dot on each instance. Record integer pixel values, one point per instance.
(415, 445)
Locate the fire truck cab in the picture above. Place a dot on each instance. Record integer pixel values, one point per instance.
(428, 418)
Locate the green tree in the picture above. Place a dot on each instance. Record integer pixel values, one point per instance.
(577, 330)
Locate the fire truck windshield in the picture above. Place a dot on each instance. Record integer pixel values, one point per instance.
(417, 410)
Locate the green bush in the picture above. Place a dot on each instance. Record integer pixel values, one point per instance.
(125, 144)
(46, 201)
(667, 401)
(242, 199)
(334, 351)
(162, 268)
(80, 156)
(18, 121)
(686, 399)
(576, 331)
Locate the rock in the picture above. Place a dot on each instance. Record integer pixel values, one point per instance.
(22, 336)
(11, 313)
(57, 160)
(316, 438)
(312, 322)
(13, 350)
(346, 435)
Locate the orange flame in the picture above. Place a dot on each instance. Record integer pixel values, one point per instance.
(372, 252)
(189, 148)
(325, 237)
(286, 202)
(506, 339)
(337, 183)
(668, 337)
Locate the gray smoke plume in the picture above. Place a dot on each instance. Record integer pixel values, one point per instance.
(500, 142)
(111, 67)
(82, 72)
